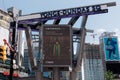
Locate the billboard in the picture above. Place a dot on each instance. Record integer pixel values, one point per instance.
(57, 45)
(111, 49)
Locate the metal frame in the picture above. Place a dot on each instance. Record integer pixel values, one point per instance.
(34, 21)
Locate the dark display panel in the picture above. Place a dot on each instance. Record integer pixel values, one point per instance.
(57, 45)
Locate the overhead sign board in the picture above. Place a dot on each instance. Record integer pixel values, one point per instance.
(70, 12)
(74, 11)
(57, 45)
(111, 49)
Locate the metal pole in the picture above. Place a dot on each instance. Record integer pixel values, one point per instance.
(39, 72)
(38, 75)
(73, 75)
(14, 13)
(31, 50)
(56, 73)
(13, 52)
(80, 54)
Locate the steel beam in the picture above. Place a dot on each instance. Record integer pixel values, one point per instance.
(30, 48)
(41, 16)
(56, 21)
(81, 49)
(83, 34)
(73, 20)
(111, 4)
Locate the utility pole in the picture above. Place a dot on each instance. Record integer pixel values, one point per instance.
(12, 55)
(14, 13)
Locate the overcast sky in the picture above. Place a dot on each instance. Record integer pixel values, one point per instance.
(99, 23)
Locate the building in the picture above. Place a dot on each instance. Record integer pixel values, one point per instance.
(109, 48)
(92, 66)
(4, 34)
(4, 26)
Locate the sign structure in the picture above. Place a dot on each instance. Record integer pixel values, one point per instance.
(57, 45)
(70, 12)
(74, 11)
(111, 49)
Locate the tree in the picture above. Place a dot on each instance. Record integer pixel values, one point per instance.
(109, 75)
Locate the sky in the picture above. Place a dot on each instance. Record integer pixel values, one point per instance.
(99, 23)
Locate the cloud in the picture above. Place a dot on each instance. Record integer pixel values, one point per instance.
(116, 30)
(100, 31)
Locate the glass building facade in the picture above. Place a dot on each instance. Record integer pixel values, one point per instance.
(93, 69)
(92, 63)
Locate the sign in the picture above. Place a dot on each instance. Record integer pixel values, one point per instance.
(57, 47)
(111, 49)
(70, 12)
(74, 11)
